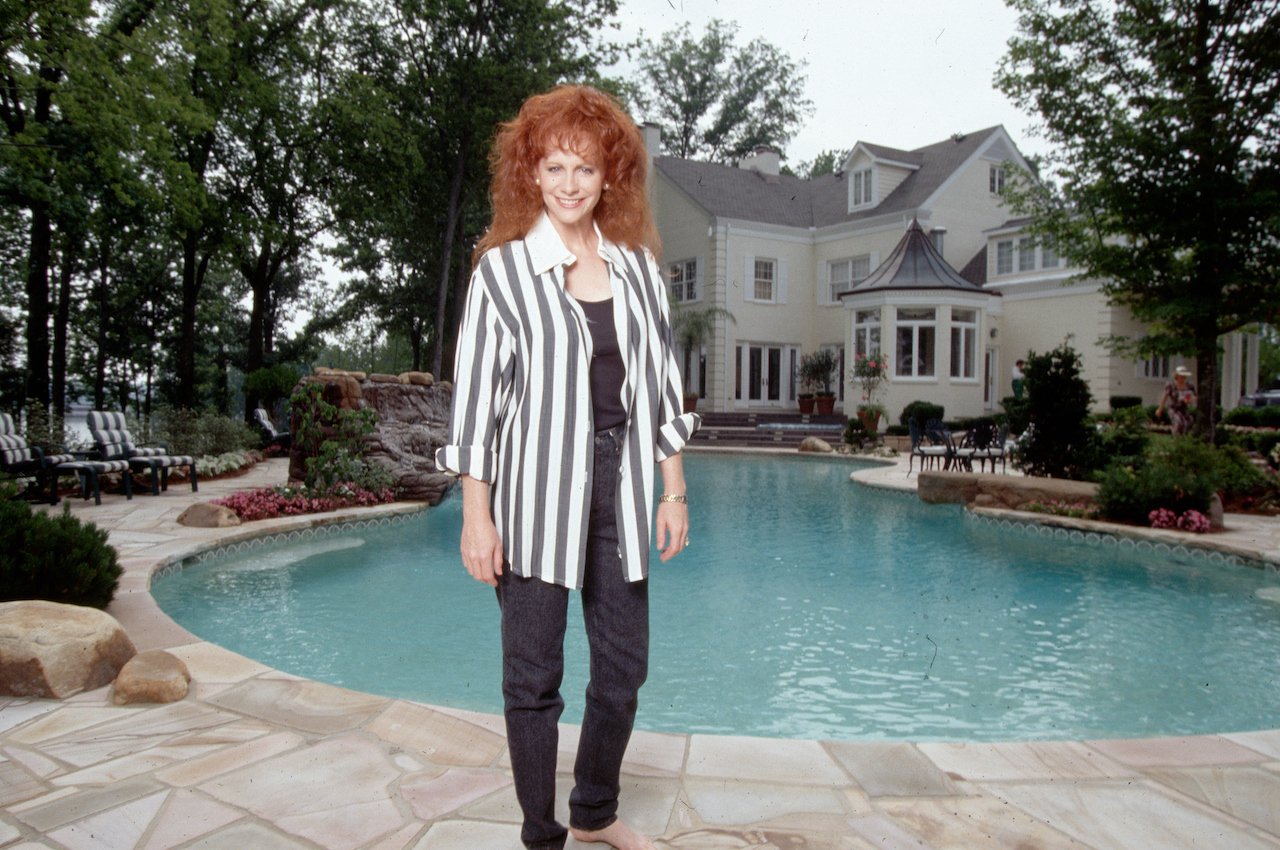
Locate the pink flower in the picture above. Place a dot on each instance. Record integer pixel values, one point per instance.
(1193, 521)
(1163, 518)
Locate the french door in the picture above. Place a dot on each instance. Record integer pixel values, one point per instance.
(766, 375)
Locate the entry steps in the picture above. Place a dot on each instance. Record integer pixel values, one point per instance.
(766, 429)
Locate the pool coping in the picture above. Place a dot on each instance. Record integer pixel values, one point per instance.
(871, 791)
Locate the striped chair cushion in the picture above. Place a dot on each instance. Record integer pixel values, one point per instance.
(162, 461)
(54, 460)
(7, 427)
(14, 450)
(99, 466)
(111, 431)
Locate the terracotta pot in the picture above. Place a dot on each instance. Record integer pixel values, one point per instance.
(870, 420)
(806, 404)
(690, 402)
(826, 404)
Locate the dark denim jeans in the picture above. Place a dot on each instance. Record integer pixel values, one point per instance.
(616, 615)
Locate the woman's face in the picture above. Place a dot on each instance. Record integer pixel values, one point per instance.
(570, 185)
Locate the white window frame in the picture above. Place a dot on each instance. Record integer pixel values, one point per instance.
(964, 341)
(1049, 258)
(778, 293)
(860, 188)
(919, 327)
(1004, 256)
(850, 271)
(996, 179)
(1157, 367)
(1026, 254)
(681, 282)
(866, 332)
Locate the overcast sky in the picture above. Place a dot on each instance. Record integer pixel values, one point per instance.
(901, 73)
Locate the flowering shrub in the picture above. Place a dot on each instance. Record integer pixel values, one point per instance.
(271, 502)
(869, 371)
(1191, 520)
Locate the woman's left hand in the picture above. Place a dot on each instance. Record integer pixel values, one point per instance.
(673, 529)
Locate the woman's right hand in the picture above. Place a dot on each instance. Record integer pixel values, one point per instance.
(481, 546)
(481, 550)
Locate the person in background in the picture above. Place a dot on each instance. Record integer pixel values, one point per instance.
(1019, 380)
(567, 393)
(1178, 399)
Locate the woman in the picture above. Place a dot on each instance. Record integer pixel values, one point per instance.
(566, 395)
(1179, 397)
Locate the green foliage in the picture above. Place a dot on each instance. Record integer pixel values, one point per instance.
(332, 441)
(717, 101)
(1177, 473)
(1163, 122)
(1017, 412)
(921, 411)
(44, 431)
(271, 383)
(817, 369)
(56, 558)
(201, 434)
(1123, 439)
(854, 432)
(826, 162)
(1120, 402)
(1060, 443)
(1254, 417)
(693, 327)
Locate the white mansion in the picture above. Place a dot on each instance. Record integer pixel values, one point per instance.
(909, 252)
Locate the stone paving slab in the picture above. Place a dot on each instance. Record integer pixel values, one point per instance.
(255, 758)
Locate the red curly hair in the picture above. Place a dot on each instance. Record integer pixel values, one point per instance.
(591, 124)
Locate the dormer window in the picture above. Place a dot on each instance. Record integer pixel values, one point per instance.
(995, 179)
(861, 187)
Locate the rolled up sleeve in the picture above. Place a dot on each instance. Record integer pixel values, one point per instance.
(483, 356)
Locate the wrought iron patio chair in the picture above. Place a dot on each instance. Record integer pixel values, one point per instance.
(113, 441)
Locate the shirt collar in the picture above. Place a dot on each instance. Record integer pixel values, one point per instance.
(547, 250)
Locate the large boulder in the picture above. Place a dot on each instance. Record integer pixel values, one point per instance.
(1000, 491)
(153, 676)
(814, 444)
(208, 515)
(412, 424)
(52, 650)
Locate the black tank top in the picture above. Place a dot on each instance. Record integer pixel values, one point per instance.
(607, 373)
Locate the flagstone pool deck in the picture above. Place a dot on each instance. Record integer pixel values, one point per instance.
(256, 759)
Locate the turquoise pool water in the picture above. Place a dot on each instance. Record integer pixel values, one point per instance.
(807, 606)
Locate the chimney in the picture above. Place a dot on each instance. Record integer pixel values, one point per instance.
(763, 159)
(652, 134)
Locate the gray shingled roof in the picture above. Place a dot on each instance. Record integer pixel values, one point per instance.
(914, 264)
(730, 192)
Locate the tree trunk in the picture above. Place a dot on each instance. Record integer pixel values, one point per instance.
(100, 356)
(38, 305)
(61, 319)
(1206, 384)
(454, 215)
(194, 268)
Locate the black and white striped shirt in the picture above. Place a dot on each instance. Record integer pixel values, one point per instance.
(522, 416)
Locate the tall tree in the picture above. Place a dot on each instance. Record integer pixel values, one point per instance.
(429, 81)
(1167, 133)
(717, 101)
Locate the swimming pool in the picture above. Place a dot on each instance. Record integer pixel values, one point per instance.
(806, 607)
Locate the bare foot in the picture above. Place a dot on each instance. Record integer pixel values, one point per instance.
(617, 835)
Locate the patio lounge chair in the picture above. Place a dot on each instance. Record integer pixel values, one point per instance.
(269, 430)
(22, 459)
(114, 442)
(922, 448)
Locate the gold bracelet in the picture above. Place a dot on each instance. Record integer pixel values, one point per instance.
(669, 497)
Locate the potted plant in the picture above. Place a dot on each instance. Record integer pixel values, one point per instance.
(869, 372)
(816, 370)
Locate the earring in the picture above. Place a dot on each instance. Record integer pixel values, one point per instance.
(537, 181)
(606, 187)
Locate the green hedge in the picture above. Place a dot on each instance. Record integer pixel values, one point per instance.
(1181, 473)
(57, 558)
(921, 411)
(1254, 417)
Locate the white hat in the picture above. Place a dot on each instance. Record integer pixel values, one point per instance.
(1183, 371)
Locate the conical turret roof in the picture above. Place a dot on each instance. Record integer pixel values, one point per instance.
(915, 264)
